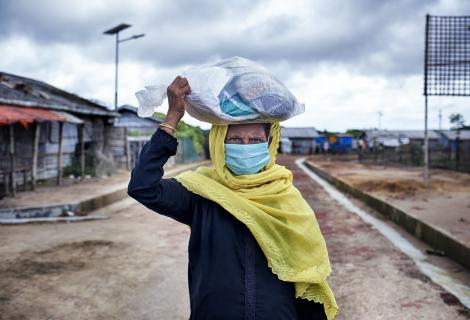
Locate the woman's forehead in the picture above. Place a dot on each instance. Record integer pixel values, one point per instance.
(246, 127)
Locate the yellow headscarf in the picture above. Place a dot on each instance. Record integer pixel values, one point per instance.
(275, 212)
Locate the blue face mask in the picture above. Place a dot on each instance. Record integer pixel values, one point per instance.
(246, 158)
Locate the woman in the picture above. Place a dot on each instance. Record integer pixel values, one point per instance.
(255, 250)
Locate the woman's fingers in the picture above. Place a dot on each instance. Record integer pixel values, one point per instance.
(176, 81)
(179, 88)
(182, 82)
(186, 89)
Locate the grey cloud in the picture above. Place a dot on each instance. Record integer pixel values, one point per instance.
(359, 34)
(49, 21)
(373, 37)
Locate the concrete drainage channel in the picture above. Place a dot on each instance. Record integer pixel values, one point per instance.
(73, 212)
(54, 219)
(436, 274)
(69, 212)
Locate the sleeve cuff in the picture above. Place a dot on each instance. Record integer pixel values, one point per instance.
(164, 141)
(165, 135)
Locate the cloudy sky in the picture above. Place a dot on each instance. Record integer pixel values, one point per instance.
(347, 60)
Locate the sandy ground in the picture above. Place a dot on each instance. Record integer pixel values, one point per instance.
(446, 203)
(134, 266)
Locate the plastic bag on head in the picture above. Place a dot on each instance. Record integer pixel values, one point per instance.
(149, 99)
(234, 90)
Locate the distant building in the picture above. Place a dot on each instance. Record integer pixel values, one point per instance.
(447, 148)
(138, 131)
(395, 138)
(449, 139)
(285, 146)
(302, 139)
(46, 131)
(136, 126)
(340, 143)
(321, 145)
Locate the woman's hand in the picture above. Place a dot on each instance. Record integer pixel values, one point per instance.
(176, 92)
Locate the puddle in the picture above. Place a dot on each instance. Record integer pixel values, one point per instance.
(66, 257)
(436, 274)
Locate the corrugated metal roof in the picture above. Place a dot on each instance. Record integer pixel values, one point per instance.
(299, 132)
(127, 107)
(129, 118)
(415, 134)
(22, 91)
(411, 134)
(452, 134)
(25, 116)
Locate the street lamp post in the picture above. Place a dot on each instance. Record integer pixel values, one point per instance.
(116, 31)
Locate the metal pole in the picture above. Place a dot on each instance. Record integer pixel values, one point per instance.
(426, 181)
(116, 72)
(426, 143)
(440, 119)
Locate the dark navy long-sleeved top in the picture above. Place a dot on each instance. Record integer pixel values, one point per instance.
(228, 274)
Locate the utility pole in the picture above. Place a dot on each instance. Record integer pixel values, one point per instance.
(426, 145)
(116, 31)
(440, 119)
(380, 113)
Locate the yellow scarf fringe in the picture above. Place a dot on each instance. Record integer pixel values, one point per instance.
(273, 209)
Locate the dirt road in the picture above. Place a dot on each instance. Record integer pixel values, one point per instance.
(134, 266)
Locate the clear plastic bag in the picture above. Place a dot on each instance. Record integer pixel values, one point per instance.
(234, 90)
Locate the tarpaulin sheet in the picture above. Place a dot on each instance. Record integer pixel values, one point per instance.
(25, 116)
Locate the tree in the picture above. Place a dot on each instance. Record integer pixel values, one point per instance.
(457, 121)
(355, 133)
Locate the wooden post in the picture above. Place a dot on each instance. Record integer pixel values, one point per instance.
(12, 161)
(6, 183)
(34, 166)
(59, 154)
(25, 179)
(457, 151)
(128, 156)
(82, 151)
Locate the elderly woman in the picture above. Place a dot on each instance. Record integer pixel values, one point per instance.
(255, 249)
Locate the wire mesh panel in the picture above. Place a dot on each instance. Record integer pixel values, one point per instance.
(447, 56)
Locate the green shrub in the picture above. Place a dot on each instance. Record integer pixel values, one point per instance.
(184, 130)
